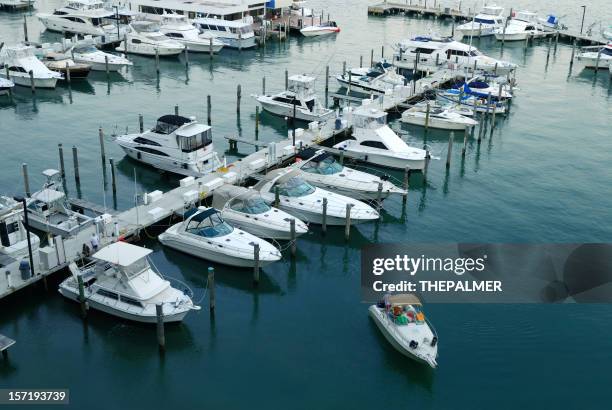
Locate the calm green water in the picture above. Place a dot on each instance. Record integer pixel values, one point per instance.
(303, 340)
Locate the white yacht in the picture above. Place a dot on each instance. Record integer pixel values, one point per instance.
(473, 103)
(301, 94)
(20, 60)
(145, 38)
(89, 54)
(299, 198)
(6, 86)
(13, 235)
(375, 80)
(323, 29)
(176, 144)
(234, 34)
(374, 142)
(484, 23)
(81, 17)
(440, 118)
(49, 211)
(246, 209)
(439, 52)
(589, 56)
(121, 282)
(523, 25)
(401, 320)
(178, 28)
(206, 235)
(320, 169)
(481, 89)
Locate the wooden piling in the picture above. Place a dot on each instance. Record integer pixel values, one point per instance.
(360, 61)
(60, 150)
(26, 179)
(427, 117)
(379, 196)
(157, 61)
(113, 178)
(211, 289)
(106, 65)
(324, 217)
(573, 52)
(449, 152)
(256, 264)
(176, 110)
(32, 84)
(263, 85)
(382, 52)
(67, 72)
(347, 226)
(140, 123)
(406, 184)
(293, 237)
(343, 67)
(102, 151)
(208, 110)
(276, 196)
(25, 29)
(75, 159)
(256, 121)
(161, 337)
(371, 59)
(186, 56)
(341, 160)
(82, 300)
(286, 80)
(465, 138)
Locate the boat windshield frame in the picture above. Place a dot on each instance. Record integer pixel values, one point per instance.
(254, 205)
(326, 166)
(135, 269)
(211, 226)
(294, 187)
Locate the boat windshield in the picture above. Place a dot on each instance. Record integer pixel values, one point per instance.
(328, 166)
(255, 205)
(212, 226)
(135, 268)
(483, 21)
(195, 142)
(295, 187)
(85, 49)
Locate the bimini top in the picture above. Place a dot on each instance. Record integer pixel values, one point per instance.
(199, 215)
(174, 119)
(312, 154)
(227, 193)
(122, 254)
(403, 299)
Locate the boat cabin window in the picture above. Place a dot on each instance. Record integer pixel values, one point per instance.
(295, 187)
(135, 268)
(527, 28)
(152, 151)
(310, 104)
(483, 21)
(254, 206)
(195, 142)
(374, 144)
(422, 50)
(209, 224)
(59, 13)
(286, 100)
(174, 35)
(96, 21)
(130, 301)
(327, 166)
(108, 294)
(145, 141)
(459, 53)
(17, 69)
(136, 41)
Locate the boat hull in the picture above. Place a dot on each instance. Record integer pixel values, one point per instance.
(300, 114)
(201, 46)
(591, 62)
(25, 81)
(150, 51)
(435, 123)
(100, 66)
(163, 163)
(63, 25)
(387, 161)
(317, 33)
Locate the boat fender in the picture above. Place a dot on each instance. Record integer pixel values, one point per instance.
(414, 344)
(434, 341)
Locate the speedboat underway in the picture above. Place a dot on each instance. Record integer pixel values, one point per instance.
(178, 28)
(375, 80)
(297, 197)
(49, 211)
(374, 142)
(81, 17)
(401, 320)
(145, 38)
(6, 86)
(596, 56)
(206, 235)
(323, 29)
(299, 95)
(484, 23)
(61, 63)
(246, 209)
(523, 25)
(441, 118)
(121, 282)
(320, 169)
(176, 144)
(20, 61)
(234, 34)
(89, 54)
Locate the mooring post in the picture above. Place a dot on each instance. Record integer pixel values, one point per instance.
(82, 300)
(347, 226)
(26, 179)
(475, 66)
(372, 58)
(75, 159)
(597, 61)
(256, 264)
(106, 65)
(157, 61)
(427, 117)
(326, 81)
(9, 282)
(67, 72)
(465, 138)
(211, 288)
(406, 184)
(556, 42)
(61, 161)
(360, 61)
(286, 80)
(25, 29)
(32, 84)
(449, 152)
(186, 56)
(293, 238)
(113, 179)
(140, 123)
(256, 121)
(344, 68)
(324, 217)
(176, 110)
(238, 95)
(548, 49)
(379, 196)
(263, 85)
(102, 151)
(341, 157)
(573, 51)
(382, 52)
(208, 110)
(276, 196)
(161, 337)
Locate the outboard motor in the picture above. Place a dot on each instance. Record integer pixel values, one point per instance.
(434, 341)
(413, 344)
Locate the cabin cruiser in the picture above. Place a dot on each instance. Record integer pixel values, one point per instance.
(61, 63)
(13, 234)
(299, 198)
(205, 234)
(484, 23)
(6, 86)
(440, 118)
(473, 103)
(377, 79)
(401, 320)
(145, 38)
(523, 25)
(246, 209)
(482, 89)
(176, 144)
(20, 60)
(323, 29)
(234, 34)
(81, 17)
(300, 96)
(320, 169)
(89, 54)
(120, 281)
(596, 56)
(49, 211)
(376, 143)
(178, 28)
(439, 52)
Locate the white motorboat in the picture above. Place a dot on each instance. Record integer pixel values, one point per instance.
(482, 89)
(178, 28)
(300, 97)
(20, 61)
(97, 59)
(376, 143)
(145, 38)
(323, 29)
(81, 17)
(246, 209)
(49, 211)
(435, 53)
(13, 234)
(176, 144)
(440, 118)
(234, 34)
(596, 56)
(522, 26)
(16, 4)
(121, 282)
(62, 63)
(302, 200)
(401, 320)
(476, 104)
(320, 169)
(484, 23)
(206, 235)
(6, 86)
(374, 80)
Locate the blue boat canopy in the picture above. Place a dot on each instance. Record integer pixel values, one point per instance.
(202, 215)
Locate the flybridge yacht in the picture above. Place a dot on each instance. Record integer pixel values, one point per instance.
(246, 209)
(145, 38)
(301, 94)
(484, 23)
(596, 56)
(13, 235)
(523, 25)
(178, 28)
(176, 144)
(120, 281)
(375, 143)
(320, 169)
(234, 34)
(299, 198)
(80, 17)
(377, 79)
(435, 53)
(20, 60)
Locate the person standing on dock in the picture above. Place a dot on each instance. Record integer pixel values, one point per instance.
(95, 242)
